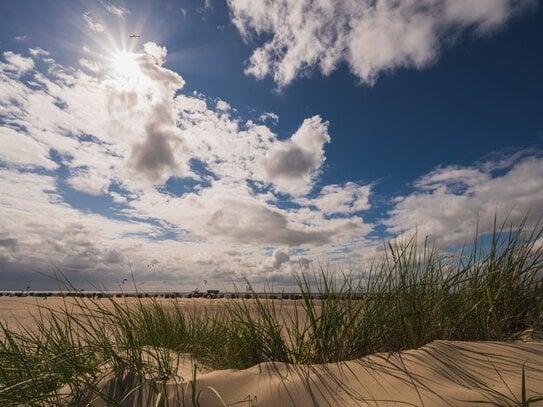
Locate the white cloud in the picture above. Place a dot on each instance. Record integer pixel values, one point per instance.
(118, 198)
(273, 117)
(36, 52)
(89, 181)
(16, 63)
(46, 231)
(92, 24)
(120, 138)
(160, 154)
(276, 260)
(222, 106)
(230, 214)
(157, 52)
(21, 150)
(93, 66)
(336, 199)
(449, 201)
(21, 38)
(371, 37)
(292, 165)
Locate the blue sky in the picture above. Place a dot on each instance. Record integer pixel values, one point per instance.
(256, 138)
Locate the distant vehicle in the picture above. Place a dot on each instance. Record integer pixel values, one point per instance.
(135, 36)
(195, 294)
(212, 294)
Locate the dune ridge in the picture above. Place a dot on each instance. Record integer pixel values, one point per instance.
(437, 374)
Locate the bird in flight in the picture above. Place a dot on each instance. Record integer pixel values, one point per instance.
(135, 36)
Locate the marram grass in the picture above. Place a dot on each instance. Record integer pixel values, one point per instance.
(413, 296)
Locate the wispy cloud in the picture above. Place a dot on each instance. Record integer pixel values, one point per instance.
(37, 51)
(117, 11)
(272, 117)
(93, 66)
(92, 24)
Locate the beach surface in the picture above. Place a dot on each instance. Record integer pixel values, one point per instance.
(437, 374)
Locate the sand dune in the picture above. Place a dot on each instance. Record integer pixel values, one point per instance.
(438, 374)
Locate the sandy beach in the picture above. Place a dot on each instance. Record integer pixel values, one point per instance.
(439, 373)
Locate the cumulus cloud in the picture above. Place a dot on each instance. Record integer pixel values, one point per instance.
(155, 51)
(276, 260)
(237, 186)
(371, 37)
(293, 164)
(150, 63)
(450, 202)
(336, 199)
(273, 226)
(154, 157)
(160, 154)
(222, 106)
(123, 139)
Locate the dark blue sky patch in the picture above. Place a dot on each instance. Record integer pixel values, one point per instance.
(179, 186)
(258, 187)
(84, 202)
(379, 232)
(89, 138)
(201, 169)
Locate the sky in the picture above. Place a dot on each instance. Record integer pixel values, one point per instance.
(254, 139)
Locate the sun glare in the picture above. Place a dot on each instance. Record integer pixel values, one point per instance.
(126, 65)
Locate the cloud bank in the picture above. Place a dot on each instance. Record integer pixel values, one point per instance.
(174, 178)
(449, 203)
(103, 170)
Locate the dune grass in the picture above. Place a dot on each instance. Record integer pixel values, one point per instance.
(414, 295)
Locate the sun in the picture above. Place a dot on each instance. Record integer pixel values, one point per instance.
(126, 65)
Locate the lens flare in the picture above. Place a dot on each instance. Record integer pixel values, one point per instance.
(126, 65)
